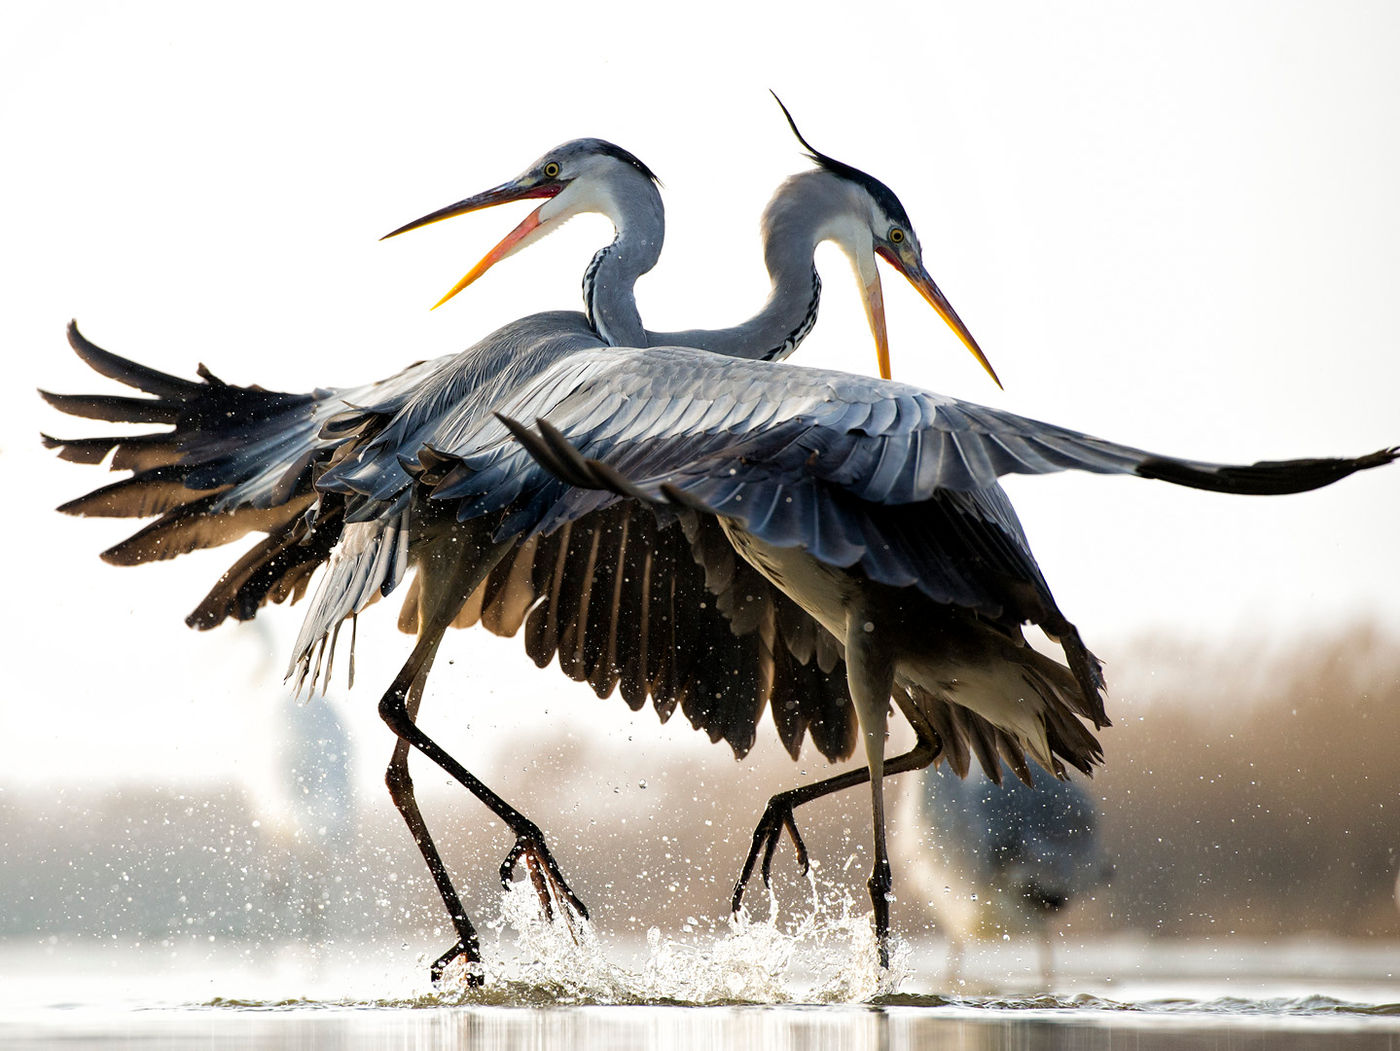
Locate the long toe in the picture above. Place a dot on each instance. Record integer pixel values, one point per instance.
(469, 953)
(545, 877)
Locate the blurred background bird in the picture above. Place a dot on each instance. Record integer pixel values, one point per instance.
(997, 862)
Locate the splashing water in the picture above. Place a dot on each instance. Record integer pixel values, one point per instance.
(826, 955)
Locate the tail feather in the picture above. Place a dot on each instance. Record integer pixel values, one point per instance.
(1054, 736)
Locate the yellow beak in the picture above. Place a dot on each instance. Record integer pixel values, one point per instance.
(503, 194)
(920, 279)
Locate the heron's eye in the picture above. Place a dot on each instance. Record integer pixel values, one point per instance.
(896, 235)
(551, 169)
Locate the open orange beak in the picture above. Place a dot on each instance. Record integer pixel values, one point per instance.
(874, 301)
(920, 279)
(503, 194)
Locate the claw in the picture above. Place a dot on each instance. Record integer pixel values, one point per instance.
(508, 866)
(544, 873)
(463, 948)
(532, 866)
(777, 817)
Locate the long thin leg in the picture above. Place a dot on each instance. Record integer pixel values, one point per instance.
(1047, 954)
(447, 579)
(870, 676)
(955, 960)
(778, 815)
(401, 791)
(529, 840)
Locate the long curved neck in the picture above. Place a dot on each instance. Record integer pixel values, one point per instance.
(608, 298)
(800, 216)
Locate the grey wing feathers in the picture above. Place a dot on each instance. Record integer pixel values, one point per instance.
(673, 413)
(369, 560)
(239, 459)
(236, 459)
(674, 426)
(194, 476)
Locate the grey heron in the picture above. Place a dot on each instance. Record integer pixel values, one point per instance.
(992, 860)
(327, 483)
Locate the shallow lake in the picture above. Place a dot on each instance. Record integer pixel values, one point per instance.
(750, 985)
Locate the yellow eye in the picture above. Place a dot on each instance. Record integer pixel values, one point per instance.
(551, 169)
(896, 235)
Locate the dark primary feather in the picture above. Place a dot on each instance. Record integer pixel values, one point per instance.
(235, 459)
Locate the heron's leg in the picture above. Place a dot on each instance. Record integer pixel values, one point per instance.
(778, 815)
(870, 677)
(437, 613)
(458, 566)
(529, 840)
(401, 791)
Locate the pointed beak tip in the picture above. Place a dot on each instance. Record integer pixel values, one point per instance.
(931, 293)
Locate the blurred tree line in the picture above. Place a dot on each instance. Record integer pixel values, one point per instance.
(1250, 789)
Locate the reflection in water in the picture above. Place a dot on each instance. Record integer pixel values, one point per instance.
(967, 1027)
(1167, 996)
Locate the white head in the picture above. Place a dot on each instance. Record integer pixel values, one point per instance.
(582, 175)
(858, 212)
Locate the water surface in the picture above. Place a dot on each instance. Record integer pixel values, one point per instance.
(811, 985)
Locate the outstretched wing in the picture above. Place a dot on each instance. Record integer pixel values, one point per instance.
(878, 477)
(801, 456)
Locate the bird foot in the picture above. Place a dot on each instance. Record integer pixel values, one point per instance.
(766, 837)
(466, 950)
(544, 873)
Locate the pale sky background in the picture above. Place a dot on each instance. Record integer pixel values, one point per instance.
(1174, 225)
